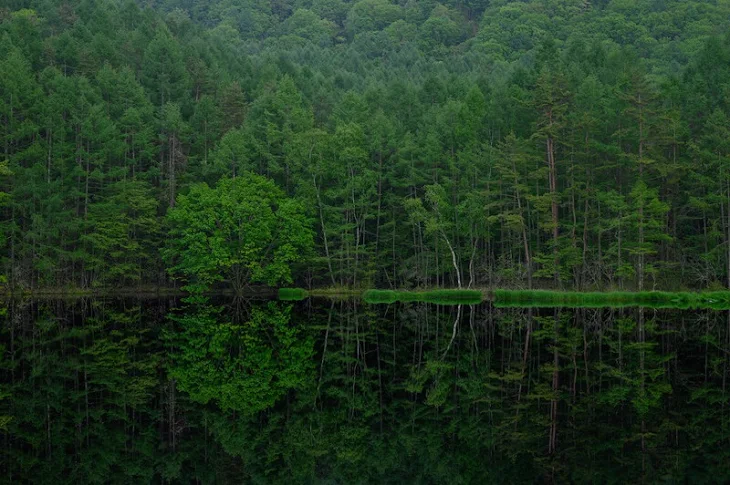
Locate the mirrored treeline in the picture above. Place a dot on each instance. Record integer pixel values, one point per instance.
(231, 391)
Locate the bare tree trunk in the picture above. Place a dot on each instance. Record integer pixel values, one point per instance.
(453, 260)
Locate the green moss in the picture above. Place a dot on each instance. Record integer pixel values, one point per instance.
(292, 294)
(439, 297)
(717, 300)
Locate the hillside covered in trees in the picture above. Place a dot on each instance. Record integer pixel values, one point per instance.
(570, 143)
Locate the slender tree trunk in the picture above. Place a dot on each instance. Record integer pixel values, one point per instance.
(552, 445)
(324, 230)
(620, 278)
(640, 271)
(584, 264)
(379, 207)
(727, 245)
(171, 168)
(553, 202)
(453, 260)
(523, 227)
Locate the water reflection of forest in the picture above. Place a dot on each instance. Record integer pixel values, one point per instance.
(347, 392)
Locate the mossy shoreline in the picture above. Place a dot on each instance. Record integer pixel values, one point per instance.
(717, 300)
(453, 297)
(72, 292)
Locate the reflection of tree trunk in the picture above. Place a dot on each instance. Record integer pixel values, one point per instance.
(86, 398)
(525, 353)
(453, 333)
(380, 378)
(707, 346)
(620, 348)
(48, 429)
(324, 350)
(642, 367)
(471, 326)
(240, 279)
(554, 400)
(600, 348)
(724, 364)
(171, 419)
(585, 352)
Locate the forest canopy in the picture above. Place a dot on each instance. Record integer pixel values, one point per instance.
(428, 144)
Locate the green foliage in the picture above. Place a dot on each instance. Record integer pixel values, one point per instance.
(122, 231)
(552, 144)
(369, 15)
(164, 71)
(244, 366)
(244, 229)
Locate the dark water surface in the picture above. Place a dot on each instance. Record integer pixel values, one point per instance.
(319, 391)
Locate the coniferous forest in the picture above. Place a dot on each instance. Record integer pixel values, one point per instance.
(488, 192)
(464, 143)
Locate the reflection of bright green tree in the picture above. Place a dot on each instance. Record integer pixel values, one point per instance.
(244, 367)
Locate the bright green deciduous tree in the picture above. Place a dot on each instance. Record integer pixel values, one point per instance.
(244, 229)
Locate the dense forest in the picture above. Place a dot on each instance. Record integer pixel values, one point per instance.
(555, 143)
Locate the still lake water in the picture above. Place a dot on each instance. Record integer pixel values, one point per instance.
(321, 391)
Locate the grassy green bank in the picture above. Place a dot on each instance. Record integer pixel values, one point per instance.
(441, 297)
(716, 300)
(293, 294)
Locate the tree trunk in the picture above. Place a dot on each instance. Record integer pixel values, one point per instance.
(553, 202)
(324, 230)
(453, 260)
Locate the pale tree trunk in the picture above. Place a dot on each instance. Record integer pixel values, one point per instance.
(453, 331)
(453, 260)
